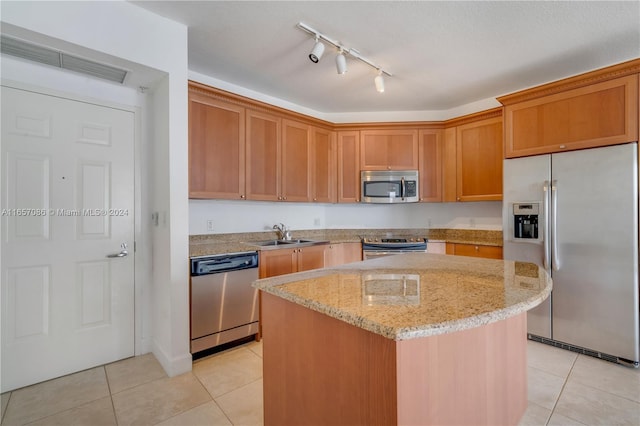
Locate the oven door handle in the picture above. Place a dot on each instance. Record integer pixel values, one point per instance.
(403, 188)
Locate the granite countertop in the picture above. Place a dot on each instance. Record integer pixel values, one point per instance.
(211, 244)
(417, 294)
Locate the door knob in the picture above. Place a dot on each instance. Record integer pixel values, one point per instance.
(123, 252)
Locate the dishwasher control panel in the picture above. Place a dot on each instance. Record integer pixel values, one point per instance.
(223, 263)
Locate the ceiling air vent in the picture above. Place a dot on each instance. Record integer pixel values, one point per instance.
(44, 55)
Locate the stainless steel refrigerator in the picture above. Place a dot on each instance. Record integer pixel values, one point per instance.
(576, 214)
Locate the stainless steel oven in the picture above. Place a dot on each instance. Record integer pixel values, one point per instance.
(374, 247)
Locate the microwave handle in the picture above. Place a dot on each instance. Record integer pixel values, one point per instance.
(403, 189)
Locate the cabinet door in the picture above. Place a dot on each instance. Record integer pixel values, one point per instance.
(430, 165)
(596, 115)
(449, 170)
(216, 149)
(479, 160)
(311, 257)
(351, 252)
(349, 167)
(323, 165)
(475, 250)
(277, 262)
(296, 158)
(341, 253)
(389, 150)
(263, 156)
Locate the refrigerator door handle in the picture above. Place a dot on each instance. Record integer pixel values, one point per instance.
(555, 261)
(546, 224)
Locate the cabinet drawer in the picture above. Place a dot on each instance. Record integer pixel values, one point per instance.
(475, 250)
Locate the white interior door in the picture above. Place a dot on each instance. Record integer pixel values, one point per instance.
(67, 204)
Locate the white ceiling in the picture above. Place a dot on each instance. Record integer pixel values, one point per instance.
(442, 54)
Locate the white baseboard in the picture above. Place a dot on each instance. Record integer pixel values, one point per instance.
(173, 366)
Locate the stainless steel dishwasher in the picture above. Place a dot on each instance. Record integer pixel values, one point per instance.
(224, 305)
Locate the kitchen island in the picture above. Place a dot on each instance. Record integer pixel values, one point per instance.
(409, 339)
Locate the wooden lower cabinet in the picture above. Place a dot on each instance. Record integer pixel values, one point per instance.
(272, 263)
(323, 371)
(475, 250)
(341, 253)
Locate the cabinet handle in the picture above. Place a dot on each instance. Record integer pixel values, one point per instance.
(458, 199)
(284, 198)
(279, 198)
(242, 196)
(477, 248)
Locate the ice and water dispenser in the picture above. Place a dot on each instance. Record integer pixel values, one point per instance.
(525, 221)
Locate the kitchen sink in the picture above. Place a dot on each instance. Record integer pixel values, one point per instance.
(270, 243)
(275, 243)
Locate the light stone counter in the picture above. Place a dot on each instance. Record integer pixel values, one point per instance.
(417, 294)
(211, 244)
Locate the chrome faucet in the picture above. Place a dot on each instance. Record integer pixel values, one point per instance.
(283, 231)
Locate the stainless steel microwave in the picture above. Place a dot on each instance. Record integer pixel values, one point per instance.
(389, 186)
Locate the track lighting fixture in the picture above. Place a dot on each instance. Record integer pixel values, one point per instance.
(318, 50)
(379, 82)
(341, 60)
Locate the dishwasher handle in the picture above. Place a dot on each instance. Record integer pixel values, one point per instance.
(223, 263)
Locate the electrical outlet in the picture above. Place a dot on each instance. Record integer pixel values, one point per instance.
(210, 225)
(316, 221)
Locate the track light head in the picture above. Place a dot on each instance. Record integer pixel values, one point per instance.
(316, 52)
(341, 63)
(379, 82)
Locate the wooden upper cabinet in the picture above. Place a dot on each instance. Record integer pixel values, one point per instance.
(216, 148)
(348, 167)
(599, 114)
(449, 171)
(296, 161)
(479, 160)
(263, 156)
(472, 158)
(430, 164)
(389, 150)
(323, 165)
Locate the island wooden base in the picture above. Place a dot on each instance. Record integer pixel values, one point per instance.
(322, 371)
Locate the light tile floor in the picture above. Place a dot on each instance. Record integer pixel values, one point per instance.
(226, 389)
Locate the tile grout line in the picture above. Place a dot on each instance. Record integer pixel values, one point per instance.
(566, 379)
(211, 396)
(4, 412)
(113, 407)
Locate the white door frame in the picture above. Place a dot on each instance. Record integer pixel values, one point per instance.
(142, 244)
